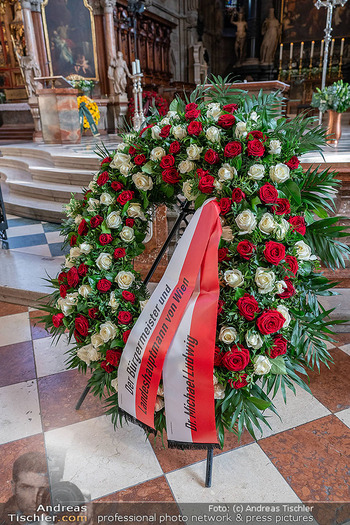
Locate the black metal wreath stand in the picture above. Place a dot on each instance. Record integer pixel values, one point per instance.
(3, 223)
(185, 211)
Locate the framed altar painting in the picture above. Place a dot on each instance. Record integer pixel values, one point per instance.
(70, 38)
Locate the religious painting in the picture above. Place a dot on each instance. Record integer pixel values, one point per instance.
(70, 37)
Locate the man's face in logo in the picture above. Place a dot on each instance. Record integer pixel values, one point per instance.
(28, 488)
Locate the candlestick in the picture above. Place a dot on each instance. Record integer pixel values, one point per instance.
(138, 67)
(133, 65)
(322, 46)
(332, 47)
(312, 50)
(301, 50)
(342, 46)
(291, 51)
(281, 51)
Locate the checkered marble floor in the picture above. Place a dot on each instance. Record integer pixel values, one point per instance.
(304, 458)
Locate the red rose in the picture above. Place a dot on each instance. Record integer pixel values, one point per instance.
(289, 291)
(292, 264)
(129, 222)
(62, 277)
(231, 108)
(170, 175)
(201, 173)
(106, 160)
(73, 277)
(226, 121)
(81, 325)
(248, 306)
(93, 312)
(218, 355)
(255, 148)
(125, 197)
(221, 305)
(232, 149)
(237, 358)
(268, 193)
(223, 254)
(113, 357)
(206, 184)
(167, 161)
(279, 346)
(256, 134)
(245, 249)
(239, 383)
(57, 320)
(298, 224)
(237, 195)
(128, 296)
(211, 156)
(103, 285)
(192, 114)
(119, 253)
(63, 290)
(107, 367)
(124, 317)
(140, 160)
(145, 129)
(132, 150)
(194, 128)
(83, 228)
(105, 238)
(165, 131)
(293, 163)
(282, 207)
(82, 270)
(191, 106)
(274, 252)
(73, 240)
(270, 322)
(174, 147)
(225, 205)
(103, 178)
(125, 335)
(117, 186)
(95, 221)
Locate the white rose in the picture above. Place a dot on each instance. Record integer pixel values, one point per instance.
(157, 153)
(275, 147)
(282, 229)
(143, 304)
(285, 312)
(85, 248)
(93, 205)
(267, 223)
(227, 234)
(125, 168)
(234, 278)
(64, 307)
(226, 172)
(113, 220)
(69, 263)
(280, 286)
(194, 152)
(74, 252)
(185, 166)
(92, 185)
(256, 172)
(262, 365)
(246, 222)
(304, 251)
(84, 290)
(265, 280)
(214, 110)
(254, 116)
(114, 384)
(213, 134)
(78, 219)
(241, 130)
(72, 298)
(227, 335)
(217, 185)
(187, 191)
(135, 210)
(155, 132)
(254, 340)
(96, 340)
(106, 199)
(127, 234)
(179, 132)
(142, 182)
(119, 159)
(279, 173)
(164, 122)
(172, 114)
(124, 279)
(88, 353)
(219, 391)
(113, 303)
(108, 331)
(121, 146)
(104, 261)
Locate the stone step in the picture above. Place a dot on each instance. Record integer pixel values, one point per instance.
(41, 190)
(33, 208)
(66, 176)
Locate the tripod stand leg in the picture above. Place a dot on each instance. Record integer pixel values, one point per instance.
(209, 470)
(82, 397)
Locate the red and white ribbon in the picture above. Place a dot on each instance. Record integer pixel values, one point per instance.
(175, 337)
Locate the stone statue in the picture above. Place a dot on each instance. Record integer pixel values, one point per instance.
(241, 35)
(30, 69)
(271, 30)
(117, 71)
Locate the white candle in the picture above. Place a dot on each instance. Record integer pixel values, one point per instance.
(281, 52)
(133, 65)
(342, 46)
(312, 49)
(291, 51)
(301, 50)
(322, 45)
(138, 68)
(332, 47)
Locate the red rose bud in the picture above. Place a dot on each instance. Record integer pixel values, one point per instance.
(105, 238)
(289, 291)
(165, 131)
(255, 148)
(248, 306)
(225, 205)
(63, 290)
(237, 358)
(113, 357)
(103, 178)
(292, 264)
(81, 325)
(223, 254)
(226, 121)
(298, 224)
(73, 277)
(140, 160)
(282, 207)
(191, 106)
(170, 175)
(201, 173)
(87, 195)
(119, 253)
(293, 163)
(117, 186)
(124, 317)
(125, 197)
(279, 346)
(104, 285)
(206, 184)
(62, 277)
(95, 221)
(106, 160)
(256, 134)
(167, 161)
(132, 150)
(93, 313)
(128, 296)
(125, 335)
(83, 228)
(245, 249)
(194, 128)
(274, 252)
(129, 222)
(174, 147)
(218, 355)
(231, 108)
(232, 149)
(239, 383)
(57, 320)
(192, 114)
(107, 367)
(270, 322)
(237, 195)
(73, 240)
(268, 193)
(83, 270)
(221, 305)
(211, 156)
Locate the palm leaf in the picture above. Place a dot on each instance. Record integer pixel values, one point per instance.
(322, 237)
(319, 188)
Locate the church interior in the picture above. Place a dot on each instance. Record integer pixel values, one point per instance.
(74, 74)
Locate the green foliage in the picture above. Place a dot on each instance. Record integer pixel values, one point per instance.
(335, 97)
(318, 189)
(223, 90)
(322, 237)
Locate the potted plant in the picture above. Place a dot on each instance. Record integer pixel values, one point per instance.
(335, 99)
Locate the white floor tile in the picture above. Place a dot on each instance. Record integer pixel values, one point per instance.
(50, 358)
(99, 459)
(244, 475)
(19, 411)
(345, 348)
(52, 237)
(30, 229)
(344, 416)
(41, 249)
(14, 329)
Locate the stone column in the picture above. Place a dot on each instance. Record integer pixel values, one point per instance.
(40, 39)
(29, 29)
(253, 20)
(108, 8)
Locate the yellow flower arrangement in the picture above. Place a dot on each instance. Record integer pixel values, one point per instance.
(92, 107)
